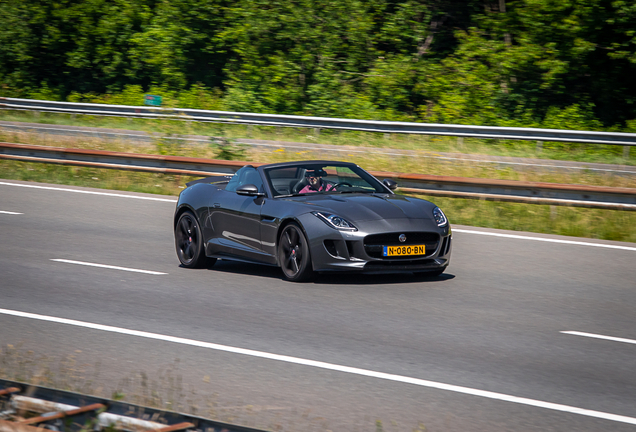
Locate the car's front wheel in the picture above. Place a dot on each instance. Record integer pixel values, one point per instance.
(293, 254)
(189, 242)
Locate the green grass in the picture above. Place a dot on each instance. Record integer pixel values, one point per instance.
(94, 177)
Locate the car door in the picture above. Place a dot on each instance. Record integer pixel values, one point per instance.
(236, 219)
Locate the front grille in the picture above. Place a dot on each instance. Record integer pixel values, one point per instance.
(373, 244)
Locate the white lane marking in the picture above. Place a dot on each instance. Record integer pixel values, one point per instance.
(90, 192)
(579, 243)
(597, 336)
(108, 266)
(330, 366)
(11, 213)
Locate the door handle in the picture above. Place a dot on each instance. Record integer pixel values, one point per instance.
(216, 205)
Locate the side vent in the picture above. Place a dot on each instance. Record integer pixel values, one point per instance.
(442, 250)
(350, 248)
(331, 248)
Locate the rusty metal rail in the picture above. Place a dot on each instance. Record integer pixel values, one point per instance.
(29, 408)
(458, 187)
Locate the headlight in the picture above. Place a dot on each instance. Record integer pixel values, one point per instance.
(335, 221)
(440, 217)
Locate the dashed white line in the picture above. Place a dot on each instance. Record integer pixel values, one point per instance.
(331, 366)
(90, 192)
(8, 212)
(108, 266)
(519, 237)
(597, 336)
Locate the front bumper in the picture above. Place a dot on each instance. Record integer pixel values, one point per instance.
(360, 251)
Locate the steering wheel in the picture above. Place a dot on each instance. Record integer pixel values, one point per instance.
(342, 184)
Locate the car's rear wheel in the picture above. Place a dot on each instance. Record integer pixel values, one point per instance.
(293, 254)
(189, 242)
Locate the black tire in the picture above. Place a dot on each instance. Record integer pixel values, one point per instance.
(293, 254)
(189, 242)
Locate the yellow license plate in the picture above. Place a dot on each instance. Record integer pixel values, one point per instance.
(404, 250)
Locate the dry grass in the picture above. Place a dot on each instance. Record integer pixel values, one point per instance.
(424, 143)
(162, 389)
(423, 162)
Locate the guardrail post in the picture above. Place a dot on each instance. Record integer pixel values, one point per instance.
(387, 136)
(316, 132)
(539, 146)
(460, 143)
(626, 152)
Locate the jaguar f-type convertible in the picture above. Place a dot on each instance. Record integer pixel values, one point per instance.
(310, 216)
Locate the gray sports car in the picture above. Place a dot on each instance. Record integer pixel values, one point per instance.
(310, 216)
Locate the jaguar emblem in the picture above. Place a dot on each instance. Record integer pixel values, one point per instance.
(402, 238)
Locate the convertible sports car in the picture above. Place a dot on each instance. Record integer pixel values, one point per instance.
(310, 216)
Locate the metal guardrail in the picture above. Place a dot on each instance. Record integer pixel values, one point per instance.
(134, 137)
(485, 132)
(485, 189)
(30, 408)
(116, 160)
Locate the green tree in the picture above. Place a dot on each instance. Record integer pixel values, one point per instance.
(71, 45)
(181, 43)
(541, 55)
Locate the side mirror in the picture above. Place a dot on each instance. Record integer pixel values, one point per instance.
(390, 184)
(249, 190)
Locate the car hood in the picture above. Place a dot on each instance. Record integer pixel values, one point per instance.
(364, 207)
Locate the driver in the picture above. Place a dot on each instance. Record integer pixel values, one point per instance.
(316, 183)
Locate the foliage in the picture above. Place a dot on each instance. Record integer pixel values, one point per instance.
(543, 63)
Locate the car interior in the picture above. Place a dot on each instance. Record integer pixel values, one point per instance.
(287, 180)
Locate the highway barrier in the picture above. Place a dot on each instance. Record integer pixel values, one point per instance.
(317, 123)
(485, 189)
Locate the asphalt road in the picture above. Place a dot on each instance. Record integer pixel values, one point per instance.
(480, 348)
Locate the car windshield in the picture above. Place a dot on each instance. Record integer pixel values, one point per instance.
(320, 178)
